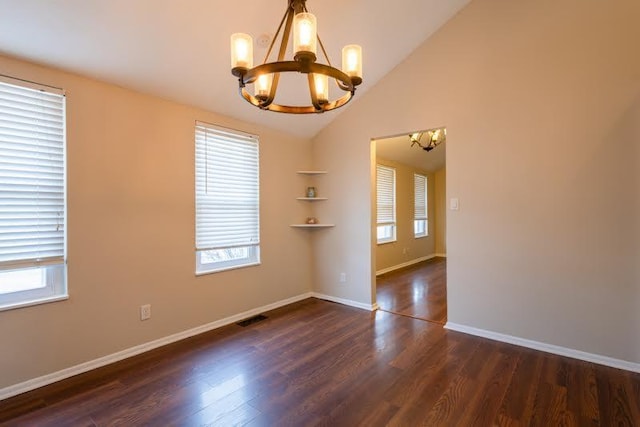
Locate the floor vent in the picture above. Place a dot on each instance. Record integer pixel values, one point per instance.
(251, 320)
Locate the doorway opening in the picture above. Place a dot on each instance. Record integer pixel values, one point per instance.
(410, 224)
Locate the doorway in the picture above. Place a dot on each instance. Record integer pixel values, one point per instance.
(410, 215)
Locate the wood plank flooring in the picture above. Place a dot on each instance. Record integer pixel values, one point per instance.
(320, 363)
(419, 290)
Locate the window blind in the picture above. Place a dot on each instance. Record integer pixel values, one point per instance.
(386, 194)
(227, 188)
(420, 196)
(32, 177)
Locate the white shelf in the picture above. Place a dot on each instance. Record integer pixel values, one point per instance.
(311, 172)
(312, 225)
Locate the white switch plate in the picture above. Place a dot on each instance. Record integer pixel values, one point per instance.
(454, 204)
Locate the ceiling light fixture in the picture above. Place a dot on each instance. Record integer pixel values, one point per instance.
(435, 137)
(265, 77)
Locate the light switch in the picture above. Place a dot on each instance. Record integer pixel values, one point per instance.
(454, 205)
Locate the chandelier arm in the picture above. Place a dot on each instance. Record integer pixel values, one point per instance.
(272, 90)
(285, 34)
(292, 109)
(341, 86)
(340, 76)
(283, 49)
(275, 37)
(338, 102)
(326, 57)
(269, 68)
(294, 66)
(314, 94)
(251, 99)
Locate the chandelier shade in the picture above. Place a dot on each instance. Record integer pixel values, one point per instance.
(301, 26)
(242, 50)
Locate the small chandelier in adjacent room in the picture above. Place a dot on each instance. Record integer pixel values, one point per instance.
(265, 77)
(434, 137)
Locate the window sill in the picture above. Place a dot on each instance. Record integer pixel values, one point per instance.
(421, 236)
(233, 267)
(13, 306)
(387, 241)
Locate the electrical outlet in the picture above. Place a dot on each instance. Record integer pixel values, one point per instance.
(145, 312)
(343, 277)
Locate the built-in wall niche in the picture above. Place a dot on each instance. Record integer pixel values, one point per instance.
(311, 194)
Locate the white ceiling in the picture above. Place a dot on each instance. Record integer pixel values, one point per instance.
(179, 49)
(399, 149)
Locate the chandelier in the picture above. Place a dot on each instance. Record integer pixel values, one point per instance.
(434, 138)
(265, 77)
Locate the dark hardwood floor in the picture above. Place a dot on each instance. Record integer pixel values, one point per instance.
(320, 363)
(419, 290)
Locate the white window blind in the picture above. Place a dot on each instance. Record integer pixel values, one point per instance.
(227, 189)
(32, 178)
(386, 197)
(420, 225)
(420, 198)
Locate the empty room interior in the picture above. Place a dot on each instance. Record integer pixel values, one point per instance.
(319, 212)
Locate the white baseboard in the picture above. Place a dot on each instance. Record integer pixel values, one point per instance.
(441, 255)
(356, 304)
(44, 380)
(405, 264)
(549, 348)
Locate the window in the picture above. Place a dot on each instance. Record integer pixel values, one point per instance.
(420, 222)
(32, 194)
(386, 203)
(227, 199)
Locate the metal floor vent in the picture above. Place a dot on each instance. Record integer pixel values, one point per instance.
(251, 320)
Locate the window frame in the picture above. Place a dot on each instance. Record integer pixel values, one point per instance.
(53, 271)
(231, 257)
(54, 289)
(203, 268)
(386, 227)
(420, 228)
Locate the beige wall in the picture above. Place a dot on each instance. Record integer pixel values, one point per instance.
(406, 247)
(541, 100)
(440, 196)
(131, 230)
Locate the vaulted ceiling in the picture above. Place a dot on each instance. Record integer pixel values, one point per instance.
(179, 49)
